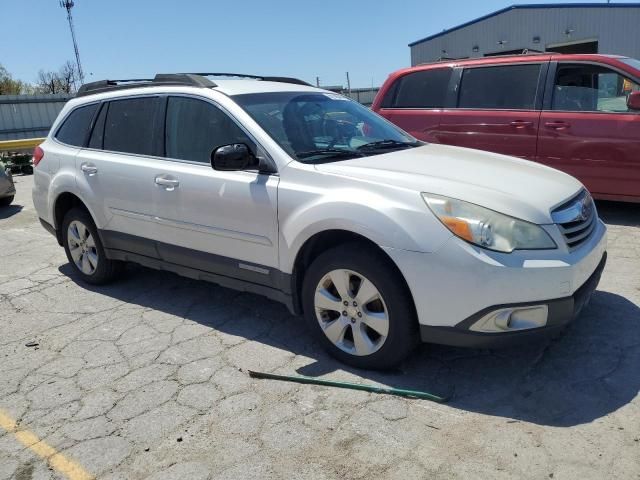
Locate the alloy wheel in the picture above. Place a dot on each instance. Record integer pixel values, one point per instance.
(351, 312)
(82, 247)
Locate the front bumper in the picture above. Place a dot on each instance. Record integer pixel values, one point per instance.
(560, 313)
(459, 283)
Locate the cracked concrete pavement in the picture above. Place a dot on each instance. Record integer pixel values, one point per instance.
(141, 379)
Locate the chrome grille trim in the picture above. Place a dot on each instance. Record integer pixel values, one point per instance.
(576, 219)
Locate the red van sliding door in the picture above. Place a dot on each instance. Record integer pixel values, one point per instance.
(498, 109)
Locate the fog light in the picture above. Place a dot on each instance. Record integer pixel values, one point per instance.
(512, 319)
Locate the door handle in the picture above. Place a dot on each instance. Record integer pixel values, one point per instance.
(521, 124)
(168, 184)
(557, 125)
(89, 169)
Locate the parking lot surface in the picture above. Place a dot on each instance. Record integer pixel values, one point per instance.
(147, 378)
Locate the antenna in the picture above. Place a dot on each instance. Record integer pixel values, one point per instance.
(68, 5)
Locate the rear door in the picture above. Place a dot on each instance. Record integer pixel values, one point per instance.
(116, 169)
(218, 221)
(588, 131)
(415, 101)
(498, 109)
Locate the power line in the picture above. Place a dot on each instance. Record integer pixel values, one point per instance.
(68, 5)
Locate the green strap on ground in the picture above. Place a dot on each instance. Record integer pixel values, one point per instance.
(353, 386)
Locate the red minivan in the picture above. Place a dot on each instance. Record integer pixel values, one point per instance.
(576, 113)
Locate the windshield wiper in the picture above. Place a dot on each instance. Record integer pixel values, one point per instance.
(331, 152)
(381, 144)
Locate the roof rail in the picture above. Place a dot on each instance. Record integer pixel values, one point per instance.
(187, 79)
(295, 81)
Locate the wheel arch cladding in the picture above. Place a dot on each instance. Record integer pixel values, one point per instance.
(63, 203)
(326, 240)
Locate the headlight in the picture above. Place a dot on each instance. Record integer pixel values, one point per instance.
(486, 228)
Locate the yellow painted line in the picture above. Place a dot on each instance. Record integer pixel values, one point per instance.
(57, 461)
(9, 145)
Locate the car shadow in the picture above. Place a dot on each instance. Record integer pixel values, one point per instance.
(10, 211)
(585, 374)
(619, 213)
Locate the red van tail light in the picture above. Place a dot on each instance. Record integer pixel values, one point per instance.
(38, 153)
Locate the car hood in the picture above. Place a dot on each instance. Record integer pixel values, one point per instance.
(520, 188)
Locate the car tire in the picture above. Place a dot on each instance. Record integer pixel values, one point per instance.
(85, 251)
(6, 201)
(378, 333)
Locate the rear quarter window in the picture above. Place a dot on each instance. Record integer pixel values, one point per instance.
(422, 89)
(75, 127)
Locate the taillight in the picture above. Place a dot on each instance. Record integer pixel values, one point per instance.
(38, 153)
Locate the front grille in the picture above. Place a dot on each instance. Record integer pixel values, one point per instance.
(577, 219)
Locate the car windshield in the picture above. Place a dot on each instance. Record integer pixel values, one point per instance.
(317, 127)
(632, 62)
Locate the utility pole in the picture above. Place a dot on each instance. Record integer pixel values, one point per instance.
(68, 5)
(318, 82)
(348, 84)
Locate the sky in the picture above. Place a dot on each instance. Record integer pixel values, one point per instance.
(138, 38)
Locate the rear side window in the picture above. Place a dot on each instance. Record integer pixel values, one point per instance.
(509, 87)
(424, 89)
(195, 128)
(75, 128)
(129, 125)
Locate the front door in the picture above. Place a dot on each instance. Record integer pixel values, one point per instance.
(497, 110)
(588, 131)
(220, 222)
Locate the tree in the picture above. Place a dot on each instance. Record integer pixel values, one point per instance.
(9, 86)
(68, 77)
(48, 82)
(62, 81)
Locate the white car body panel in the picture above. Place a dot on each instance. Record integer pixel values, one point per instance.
(233, 214)
(519, 188)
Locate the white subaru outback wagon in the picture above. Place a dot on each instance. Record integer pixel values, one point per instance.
(272, 186)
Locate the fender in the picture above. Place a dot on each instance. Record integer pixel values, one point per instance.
(387, 223)
(65, 182)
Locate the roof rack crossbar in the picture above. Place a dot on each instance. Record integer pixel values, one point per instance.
(160, 79)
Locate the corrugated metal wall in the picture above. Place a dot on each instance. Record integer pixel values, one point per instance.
(28, 116)
(617, 31)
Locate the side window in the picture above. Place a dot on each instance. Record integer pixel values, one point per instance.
(591, 88)
(129, 125)
(97, 134)
(508, 87)
(423, 89)
(75, 128)
(194, 128)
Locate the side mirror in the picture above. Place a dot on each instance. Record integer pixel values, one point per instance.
(633, 101)
(236, 156)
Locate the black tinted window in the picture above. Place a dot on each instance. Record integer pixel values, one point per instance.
(97, 134)
(75, 128)
(505, 87)
(195, 128)
(425, 89)
(129, 126)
